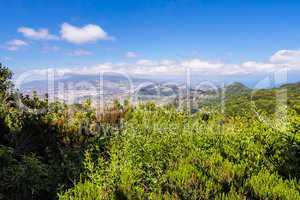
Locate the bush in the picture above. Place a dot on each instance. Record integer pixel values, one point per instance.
(165, 154)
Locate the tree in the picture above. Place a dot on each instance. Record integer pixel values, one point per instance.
(5, 87)
(5, 80)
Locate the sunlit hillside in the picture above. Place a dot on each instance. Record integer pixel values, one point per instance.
(54, 150)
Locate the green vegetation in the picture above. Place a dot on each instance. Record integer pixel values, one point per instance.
(53, 150)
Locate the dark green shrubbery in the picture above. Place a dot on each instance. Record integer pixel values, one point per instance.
(42, 143)
(27, 177)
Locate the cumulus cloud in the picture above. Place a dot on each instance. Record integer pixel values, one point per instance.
(258, 67)
(14, 45)
(196, 66)
(39, 34)
(146, 62)
(167, 62)
(290, 58)
(80, 52)
(43, 74)
(130, 54)
(85, 34)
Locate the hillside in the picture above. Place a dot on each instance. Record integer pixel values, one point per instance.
(60, 151)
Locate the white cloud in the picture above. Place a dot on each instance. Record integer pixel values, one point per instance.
(85, 34)
(14, 45)
(40, 34)
(130, 54)
(16, 42)
(202, 65)
(196, 66)
(80, 52)
(258, 67)
(145, 62)
(290, 58)
(167, 62)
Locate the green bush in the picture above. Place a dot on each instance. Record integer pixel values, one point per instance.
(166, 154)
(25, 178)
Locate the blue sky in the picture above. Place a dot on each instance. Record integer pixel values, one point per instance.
(154, 36)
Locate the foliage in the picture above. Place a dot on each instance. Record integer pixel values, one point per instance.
(51, 150)
(166, 154)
